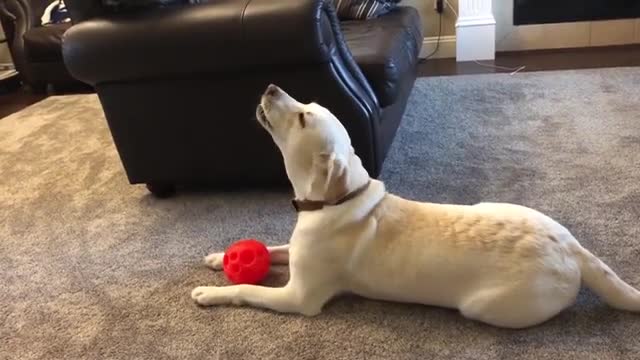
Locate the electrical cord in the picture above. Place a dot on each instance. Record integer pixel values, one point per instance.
(513, 70)
(453, 9)
(437, 41)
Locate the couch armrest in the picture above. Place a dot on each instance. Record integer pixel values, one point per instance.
(5, 14)
(218, 37)
(17, 18)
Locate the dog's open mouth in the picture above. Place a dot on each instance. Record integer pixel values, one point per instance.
(262, 117)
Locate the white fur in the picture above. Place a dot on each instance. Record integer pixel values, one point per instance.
(502, 264)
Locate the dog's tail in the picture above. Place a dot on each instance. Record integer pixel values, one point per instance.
(598, 277)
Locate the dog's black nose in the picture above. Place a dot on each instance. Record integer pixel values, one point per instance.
(272, 90)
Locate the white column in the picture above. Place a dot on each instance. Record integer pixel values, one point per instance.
(475, 31)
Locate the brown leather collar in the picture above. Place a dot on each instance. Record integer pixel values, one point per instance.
(313, 205)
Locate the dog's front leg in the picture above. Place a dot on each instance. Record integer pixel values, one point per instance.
(279, 256)
(287, 299)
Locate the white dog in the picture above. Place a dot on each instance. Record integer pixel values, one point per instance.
(501, 264)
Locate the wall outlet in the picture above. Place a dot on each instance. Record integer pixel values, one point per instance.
(439, 5)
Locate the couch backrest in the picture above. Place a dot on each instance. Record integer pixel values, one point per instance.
(81, 10)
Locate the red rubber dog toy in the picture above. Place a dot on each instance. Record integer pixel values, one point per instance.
(246, 262)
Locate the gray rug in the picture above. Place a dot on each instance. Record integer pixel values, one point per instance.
(93, 268)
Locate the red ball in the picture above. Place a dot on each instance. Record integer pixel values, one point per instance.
(246, 262)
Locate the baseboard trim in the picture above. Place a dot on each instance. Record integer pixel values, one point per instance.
(447, 47)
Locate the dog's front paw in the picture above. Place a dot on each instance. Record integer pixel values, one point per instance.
(208, 295)
(214, 261)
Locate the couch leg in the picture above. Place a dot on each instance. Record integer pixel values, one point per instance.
(38, 88)
(161, 190)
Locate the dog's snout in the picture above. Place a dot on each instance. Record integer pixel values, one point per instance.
(272, 90)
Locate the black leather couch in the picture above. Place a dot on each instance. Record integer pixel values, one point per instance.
(179, 85)
(36, 50)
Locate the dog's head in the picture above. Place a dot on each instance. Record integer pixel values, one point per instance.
(320, 161)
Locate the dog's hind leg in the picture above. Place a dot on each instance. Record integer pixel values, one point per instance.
(522, 305)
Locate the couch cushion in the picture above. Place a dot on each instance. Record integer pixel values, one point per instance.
(44, 43)
(363, 9)
(386, 49)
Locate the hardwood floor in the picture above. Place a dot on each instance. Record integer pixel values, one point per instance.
(17, 100)
(14, 100)
(538, 60)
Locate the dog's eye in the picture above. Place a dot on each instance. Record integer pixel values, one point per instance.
(302, 120)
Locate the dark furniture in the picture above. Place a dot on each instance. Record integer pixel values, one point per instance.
(179, 85)
(36, 50)
(527, 12)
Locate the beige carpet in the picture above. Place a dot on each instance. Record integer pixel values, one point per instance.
(93, 268)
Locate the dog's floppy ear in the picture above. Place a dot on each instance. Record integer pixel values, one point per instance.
(329, 177)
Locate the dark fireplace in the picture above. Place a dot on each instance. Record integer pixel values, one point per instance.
(557, 11)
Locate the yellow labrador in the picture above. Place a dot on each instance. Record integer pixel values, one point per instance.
(501, 264)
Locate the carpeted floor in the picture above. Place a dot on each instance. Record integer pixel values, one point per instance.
(93, 268)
